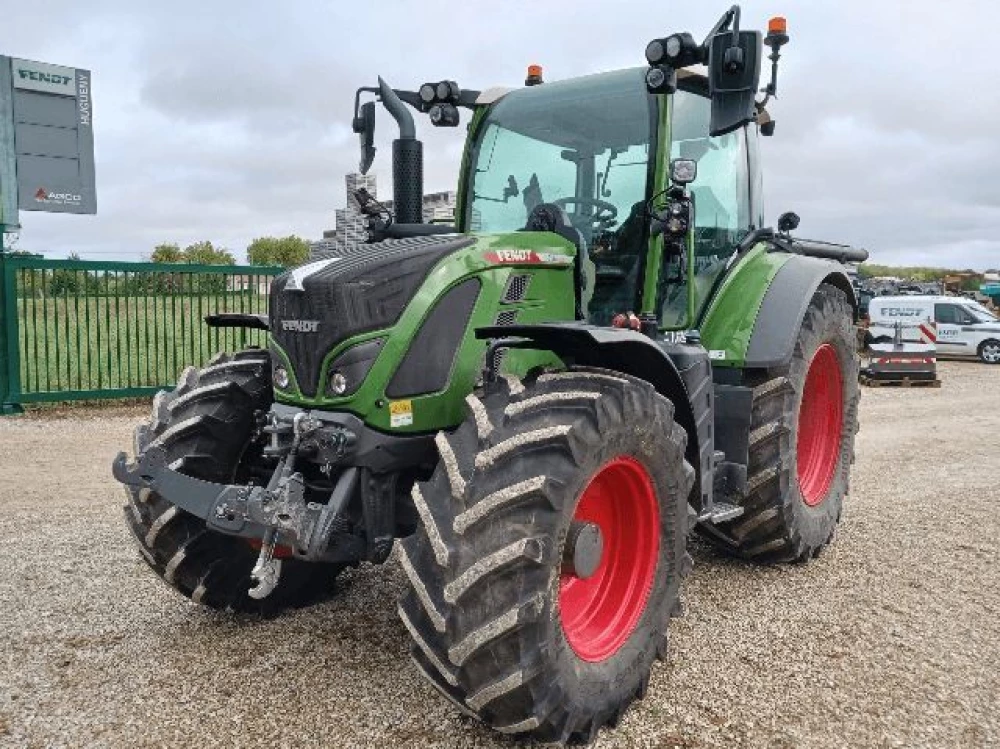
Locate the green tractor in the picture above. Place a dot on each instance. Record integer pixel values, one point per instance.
(606, 352)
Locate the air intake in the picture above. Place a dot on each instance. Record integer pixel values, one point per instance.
(517, 289)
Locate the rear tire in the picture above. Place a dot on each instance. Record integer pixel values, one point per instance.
(206, 425)
(805, 417)
(498, 627)
(989, 352)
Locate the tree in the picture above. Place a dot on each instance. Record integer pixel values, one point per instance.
(199, 253)
(65, 282)
(167, 253)
(284, 251)
(205, 253)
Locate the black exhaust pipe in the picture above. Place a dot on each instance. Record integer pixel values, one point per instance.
(407, 161)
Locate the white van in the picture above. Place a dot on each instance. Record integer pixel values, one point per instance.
(964, 326)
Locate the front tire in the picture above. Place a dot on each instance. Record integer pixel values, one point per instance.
(501, 625)
(989, 352)
(804, 419)
(206, 425)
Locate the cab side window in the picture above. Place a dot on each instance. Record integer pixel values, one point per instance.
(721, 191)
(951, 314)
(722, 188)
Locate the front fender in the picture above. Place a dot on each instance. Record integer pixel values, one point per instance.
(679, 372)
(591, 346)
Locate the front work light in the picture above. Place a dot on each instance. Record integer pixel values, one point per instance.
(676, 50)
(444, 115)
(661, 79)
(442, 92)
(683, 171)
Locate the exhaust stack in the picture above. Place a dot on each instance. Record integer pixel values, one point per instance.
(407, 160)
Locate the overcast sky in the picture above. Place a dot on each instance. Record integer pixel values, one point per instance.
(229, 120)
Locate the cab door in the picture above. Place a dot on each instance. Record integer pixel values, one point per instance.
(950, 319)
(727, 202)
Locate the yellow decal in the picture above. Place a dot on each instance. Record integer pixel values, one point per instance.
(400, 413)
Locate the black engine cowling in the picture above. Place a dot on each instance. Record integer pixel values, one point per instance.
(360, 289)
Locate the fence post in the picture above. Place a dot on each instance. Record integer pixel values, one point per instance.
(10, 361)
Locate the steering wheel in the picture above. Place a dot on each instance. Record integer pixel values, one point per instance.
(603, 217)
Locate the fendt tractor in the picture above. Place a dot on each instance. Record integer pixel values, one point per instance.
(607, 351)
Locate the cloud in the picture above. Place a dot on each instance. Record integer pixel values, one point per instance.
(231, 120)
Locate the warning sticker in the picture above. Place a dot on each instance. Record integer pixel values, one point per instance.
(400, 413)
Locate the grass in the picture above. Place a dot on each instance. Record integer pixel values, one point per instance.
(89, 342)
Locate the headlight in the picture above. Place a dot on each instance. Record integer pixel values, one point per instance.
(281, 378)
(338, 383)
(348, 371)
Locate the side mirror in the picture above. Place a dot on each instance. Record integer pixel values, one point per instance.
(683, 171)
(733, 79)
(788, 222)
(364, 126)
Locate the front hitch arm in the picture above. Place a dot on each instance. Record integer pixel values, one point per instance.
(224, 507)
(248, 511)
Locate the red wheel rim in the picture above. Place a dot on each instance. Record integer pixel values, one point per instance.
(600, 613)
(821, 420)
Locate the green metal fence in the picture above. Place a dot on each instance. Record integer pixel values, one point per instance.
(77, 329)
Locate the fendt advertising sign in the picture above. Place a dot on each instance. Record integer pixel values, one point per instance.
(46, 139)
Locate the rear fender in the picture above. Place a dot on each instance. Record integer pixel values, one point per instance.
(783, 308)
(754, 319)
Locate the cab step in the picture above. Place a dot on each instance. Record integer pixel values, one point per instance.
(721, 512)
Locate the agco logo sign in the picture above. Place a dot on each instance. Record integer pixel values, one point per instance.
(57, 198)
(40, 77)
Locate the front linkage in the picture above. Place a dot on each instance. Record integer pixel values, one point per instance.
(278, 514)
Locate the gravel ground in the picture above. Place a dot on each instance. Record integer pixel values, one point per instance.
(888, 639)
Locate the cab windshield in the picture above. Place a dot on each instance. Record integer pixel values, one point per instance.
(583, 145)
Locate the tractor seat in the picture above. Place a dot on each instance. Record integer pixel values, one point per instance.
(553, 218)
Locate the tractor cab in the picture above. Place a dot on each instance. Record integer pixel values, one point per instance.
(590, 159)
(595, 152)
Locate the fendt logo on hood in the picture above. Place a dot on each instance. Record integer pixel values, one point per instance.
(300, 326)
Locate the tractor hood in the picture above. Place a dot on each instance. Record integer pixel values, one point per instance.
(365, 287)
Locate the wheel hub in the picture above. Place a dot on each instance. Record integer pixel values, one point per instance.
(609, 560)
(583, 550)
